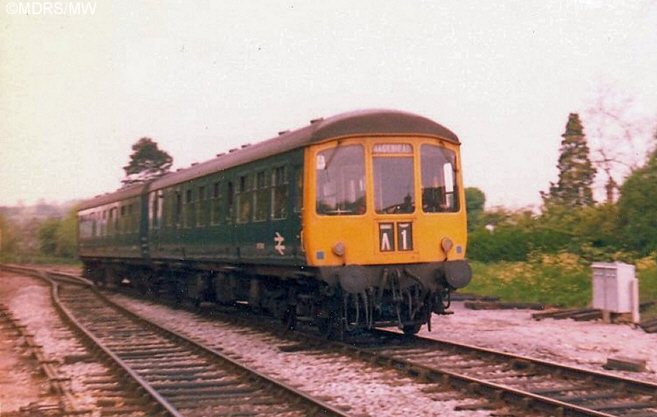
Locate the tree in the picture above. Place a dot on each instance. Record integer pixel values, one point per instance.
(576, 172)
(147, 162)
(618, 130)
(67, 235)
(637, 207)
(47, 234)
(475, 199)
(8, 241)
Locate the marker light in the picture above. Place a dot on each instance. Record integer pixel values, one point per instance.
(338, 249)
(446, 244)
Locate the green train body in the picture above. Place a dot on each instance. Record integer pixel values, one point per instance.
(248, 226)
(200, 220)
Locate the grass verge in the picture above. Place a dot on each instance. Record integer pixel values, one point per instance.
(562, 280)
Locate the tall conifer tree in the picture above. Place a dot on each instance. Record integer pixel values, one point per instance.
(576, 172)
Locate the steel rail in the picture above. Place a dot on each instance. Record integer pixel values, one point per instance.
(482, 386)
(322, 406)
(564, 408)
(639, 385)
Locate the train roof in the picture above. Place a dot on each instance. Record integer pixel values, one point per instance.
(371, 122)
(121, 194)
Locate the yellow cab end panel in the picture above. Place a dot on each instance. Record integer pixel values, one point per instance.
(345, 221)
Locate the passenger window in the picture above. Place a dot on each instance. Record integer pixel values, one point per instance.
(279, 193)
(230, 195)
(216, 204)
(94, 224)
(298, 205)
(157, 206)
(189, 209)
(114, 221)
(170, 207)
(243, 201)
(178, 209)
(121, 220)
(103, 224)
(201, 208)
(260, 198)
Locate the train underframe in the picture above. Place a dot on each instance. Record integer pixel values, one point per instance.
(337, 300)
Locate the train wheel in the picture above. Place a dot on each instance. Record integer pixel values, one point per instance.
(323, 325)
(178, 288)
(411, 329)
(331, 328)
(141, 282)
(290, 317)
(153, 286)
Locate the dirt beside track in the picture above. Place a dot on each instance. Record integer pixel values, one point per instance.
(586, 344)
(20, 381)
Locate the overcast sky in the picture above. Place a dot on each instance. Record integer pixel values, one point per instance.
(203, 77)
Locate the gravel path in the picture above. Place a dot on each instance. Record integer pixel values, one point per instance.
(19, 386)
(585, 344)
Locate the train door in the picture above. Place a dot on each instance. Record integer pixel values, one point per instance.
(284, 231)
(248, 227)
(279, 233)
(296, 221)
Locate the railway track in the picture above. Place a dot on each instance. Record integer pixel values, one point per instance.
(181, 377)
(500, 378)
(540, 385)
(78, 379)
(500, 381)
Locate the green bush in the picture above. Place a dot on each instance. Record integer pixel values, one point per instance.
(647, 274)
(507, 244)
(562, 280)
(589, 232)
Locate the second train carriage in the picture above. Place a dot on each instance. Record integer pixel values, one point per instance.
(357, 220)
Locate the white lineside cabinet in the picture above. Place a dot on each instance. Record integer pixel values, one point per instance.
(614, 285)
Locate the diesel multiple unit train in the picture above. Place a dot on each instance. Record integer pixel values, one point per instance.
(353, 221)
